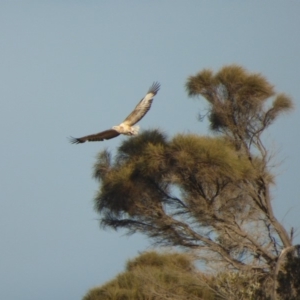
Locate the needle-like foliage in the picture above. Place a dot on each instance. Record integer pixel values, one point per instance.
(206, 193)
(156, 276)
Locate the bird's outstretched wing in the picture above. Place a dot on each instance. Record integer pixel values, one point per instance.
(101, 136)
(143, 106)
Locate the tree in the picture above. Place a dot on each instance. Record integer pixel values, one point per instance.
(206, 193)
(289, 277)
(156, 276)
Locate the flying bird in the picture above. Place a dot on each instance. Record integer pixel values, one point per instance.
(126, 127)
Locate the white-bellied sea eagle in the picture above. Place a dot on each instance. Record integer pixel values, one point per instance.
(126, 127)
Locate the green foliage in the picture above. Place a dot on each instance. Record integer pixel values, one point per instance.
(138, 183)
(208, 158)
(102, 167)
(281, 104)
(155, 275)
(237, 100)
(236, 285)
(211, 194)
(160, 260)
(122, 179)
(238, 82)
(133, 148)
(200, 83)
(250, 89)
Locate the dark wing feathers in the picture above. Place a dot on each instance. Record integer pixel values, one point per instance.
(101, 136)
(137, 114)
(154, 88)
(143, 106)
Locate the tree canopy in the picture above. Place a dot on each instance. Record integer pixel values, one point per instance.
(206, 193)
(156, 276)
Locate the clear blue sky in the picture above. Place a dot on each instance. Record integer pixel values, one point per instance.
(79, 67)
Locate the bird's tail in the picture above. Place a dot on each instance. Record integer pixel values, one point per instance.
(135, 129)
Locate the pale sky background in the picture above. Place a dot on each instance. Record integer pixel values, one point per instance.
(79, 67)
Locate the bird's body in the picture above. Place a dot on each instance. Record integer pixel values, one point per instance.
(126, 129)
(127, 126)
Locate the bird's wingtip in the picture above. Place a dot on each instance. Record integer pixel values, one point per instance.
(154, 87)
(73, 140)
